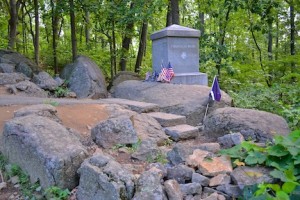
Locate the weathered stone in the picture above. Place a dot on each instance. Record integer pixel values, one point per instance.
(67, 71)
(44, 110)
(3, 185)
(245, 175)
(24, 69)
(186, 100)
(38, 145)
(121, 77)
(231, 140)
(198, 178)
(147, 127)
(215, 166)
(232, 190)
(207, 191)
(173, 190)
(159, 168)
(220, 179)
(215, 196)
(181, 151)
(7, 68)
(182, 132)
(103, 178)
(28, 88)
(149, 186)
(191, 189)
(180, 173)
(197, 157)
(114, 131)
(252, 124)
(11, 78)
(59, 81)
(44, 81)
(167, 120)
(137, 106)
(86, 79)
(147, 151)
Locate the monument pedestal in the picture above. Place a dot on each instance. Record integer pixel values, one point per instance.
(180, 46)
(195, 78)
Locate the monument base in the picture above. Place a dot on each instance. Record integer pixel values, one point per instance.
(195, 78)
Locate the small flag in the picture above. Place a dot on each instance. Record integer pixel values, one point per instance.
(170, 73)
(215, 92)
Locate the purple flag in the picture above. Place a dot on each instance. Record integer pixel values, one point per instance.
(215, 92)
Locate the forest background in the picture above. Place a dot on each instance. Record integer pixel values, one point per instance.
(253, 45)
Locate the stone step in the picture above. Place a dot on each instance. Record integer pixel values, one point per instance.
(182, 132)
(166, 119)
(137, 106)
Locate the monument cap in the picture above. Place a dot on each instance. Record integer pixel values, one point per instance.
(175, 31)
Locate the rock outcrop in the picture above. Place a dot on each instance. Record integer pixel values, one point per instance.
(44, 149)
(86, 79)
(186, 100)
(254, 125)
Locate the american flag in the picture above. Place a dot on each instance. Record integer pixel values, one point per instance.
(170, 73)
(162, 75)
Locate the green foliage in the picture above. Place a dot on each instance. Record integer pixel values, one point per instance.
(130, 147)
(61, 91)
(281, 99)
(283, 156)
(159, 157)
(51, 102)
(57, 193)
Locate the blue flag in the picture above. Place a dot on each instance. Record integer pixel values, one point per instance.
(215, 92)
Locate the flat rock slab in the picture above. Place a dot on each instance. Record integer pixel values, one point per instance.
(44, 149)
(137, 106)
(166, 119)
(182, 132)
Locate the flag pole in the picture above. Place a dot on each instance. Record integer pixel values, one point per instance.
(206, 111)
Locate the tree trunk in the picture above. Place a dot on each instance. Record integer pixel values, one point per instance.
(277, 38)
(55, 20)
(126, 42)
(13, 23)
(292, 40)
(37, 32)
(73, 30)
(169, 15)
(175, 11)
(87, 28)
(142, 46)
(114, 48)
(270, 41)
(202, 23)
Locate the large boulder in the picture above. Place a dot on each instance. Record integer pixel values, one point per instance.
(24, 69)
(101, 177)
(44, 149)
(252, 124)
(187, 100)
(11, 78)
(7, 68)
(45, 81)
(86, 79)
(114, 131)
(121, 77)
(27, 88)
(15, 58)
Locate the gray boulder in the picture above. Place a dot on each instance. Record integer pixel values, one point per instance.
(252, 124)
(147, 128)
(121, 77)
(67, 71)
(187, 100)
(244, 175)
(86, 79)
(44, 81)
(173, 190)
(27, 88)
(149, 186)
(232, 190)
(24, 69)
(146, 151)
(11, 78)
(7, 68)
(44, 149)
(191, 189)
(180, 173)
(101, 177)
(15, 58)
(44, 110)
(114, 131)
(230, 140)
(198, 178)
